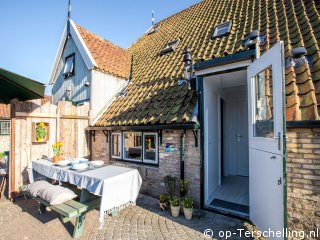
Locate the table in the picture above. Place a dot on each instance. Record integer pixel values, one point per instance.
(118, 186)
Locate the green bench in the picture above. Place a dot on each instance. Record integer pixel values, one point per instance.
(68, 211)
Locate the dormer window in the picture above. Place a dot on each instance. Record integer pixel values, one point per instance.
(68, 70)
(171, 46)
(222, 29)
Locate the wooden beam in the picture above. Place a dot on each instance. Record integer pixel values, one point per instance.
(35, 115)
(73, 117)
(12, 151)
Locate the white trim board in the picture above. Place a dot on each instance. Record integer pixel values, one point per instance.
(225, 67)
(83, 49)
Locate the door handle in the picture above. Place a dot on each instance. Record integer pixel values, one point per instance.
(273, 157)
(239, 137)
(280, 181)
(278, 137)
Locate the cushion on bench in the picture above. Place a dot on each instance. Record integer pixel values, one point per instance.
(35, 187)
(53, 194)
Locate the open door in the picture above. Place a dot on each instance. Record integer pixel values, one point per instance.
(266, 133)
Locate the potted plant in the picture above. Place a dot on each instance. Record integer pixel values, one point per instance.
(171, 185)
(164, 198)
(184, 187)
(175, 206)
(57, 151)
(188, 208)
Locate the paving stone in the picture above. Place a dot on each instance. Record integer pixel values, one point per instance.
(21, 220)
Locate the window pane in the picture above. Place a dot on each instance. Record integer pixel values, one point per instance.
(150, 147)
(116, 145)
(5, 128)
(133, 145)
(68, 68)
(263, 126)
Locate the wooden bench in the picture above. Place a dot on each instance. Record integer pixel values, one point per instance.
(68, 211)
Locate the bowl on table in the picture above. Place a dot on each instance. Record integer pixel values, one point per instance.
(63, 163)
(97, 163)
(79, 166)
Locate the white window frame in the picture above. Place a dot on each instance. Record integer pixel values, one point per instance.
(123, 148)
(156, 161)
(120, 138)
(216, 29)
(4, 122)
(71, 72)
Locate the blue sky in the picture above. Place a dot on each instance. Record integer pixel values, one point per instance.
(31, 30)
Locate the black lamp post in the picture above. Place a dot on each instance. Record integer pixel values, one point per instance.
(188, 64)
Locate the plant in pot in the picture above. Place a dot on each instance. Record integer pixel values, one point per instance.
(171, 185)
(175, 206)
(188, 208)
(57, 151)
(164, 198)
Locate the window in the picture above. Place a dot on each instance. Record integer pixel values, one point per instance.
(222, 29)
(135, 146)
(150, 147)
(116, 145)
(170, 47)
(132, 146)
(4, 128)
(69, 66)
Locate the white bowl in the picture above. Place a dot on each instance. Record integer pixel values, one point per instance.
(97, 163)
(79, 166)
(63, 163)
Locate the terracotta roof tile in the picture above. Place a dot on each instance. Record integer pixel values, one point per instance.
(109, 57)
(297, 23)
(4, 110)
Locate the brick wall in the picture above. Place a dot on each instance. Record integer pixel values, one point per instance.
(4, 142)
(303, 177)
(169, 163)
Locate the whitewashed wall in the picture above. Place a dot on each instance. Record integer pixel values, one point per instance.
(82, 74)
(104, 88)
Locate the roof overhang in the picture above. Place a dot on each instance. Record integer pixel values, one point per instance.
(83, 49)
(226, 63)
(17, 86)
(146, 127)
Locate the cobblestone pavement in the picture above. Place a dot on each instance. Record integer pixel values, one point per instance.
(21, 221)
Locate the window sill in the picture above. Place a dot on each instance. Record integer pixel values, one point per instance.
(136, 163)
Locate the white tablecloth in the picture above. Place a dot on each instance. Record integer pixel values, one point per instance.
(117, 186)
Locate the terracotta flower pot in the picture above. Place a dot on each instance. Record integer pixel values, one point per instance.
(188, 213)
(175, 211)
(57, 158)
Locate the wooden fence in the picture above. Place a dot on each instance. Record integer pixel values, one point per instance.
(66, 123)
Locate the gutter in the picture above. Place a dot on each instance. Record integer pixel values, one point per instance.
(232, 58)
(182, 144)
(147, 127)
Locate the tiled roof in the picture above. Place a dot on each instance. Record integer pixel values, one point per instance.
(155, 95)
(109, 57)
(4, 110)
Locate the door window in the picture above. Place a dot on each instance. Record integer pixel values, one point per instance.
(263, 113)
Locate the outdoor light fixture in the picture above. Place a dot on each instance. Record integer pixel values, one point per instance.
(68, 93)
(188, 64)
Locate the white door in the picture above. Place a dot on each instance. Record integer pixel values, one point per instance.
(266, 115)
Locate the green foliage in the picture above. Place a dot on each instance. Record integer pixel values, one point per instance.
(184, 187)
(188, 203)
(171, 185)
(2, 154)
(175, 202)
(164, 198)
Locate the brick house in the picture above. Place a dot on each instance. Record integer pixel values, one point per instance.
(4, 127)
(225, 94)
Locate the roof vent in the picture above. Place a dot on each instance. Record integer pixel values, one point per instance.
(298, 52)
(171, 46)
(251, 40)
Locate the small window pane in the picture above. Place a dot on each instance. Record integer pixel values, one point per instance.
(68, 68)
(263, 126)
(5, 128)
(116, 145)
(222, 29)
(132, 145)
(150, 144)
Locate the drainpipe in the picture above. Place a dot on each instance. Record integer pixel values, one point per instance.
(182, 144)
